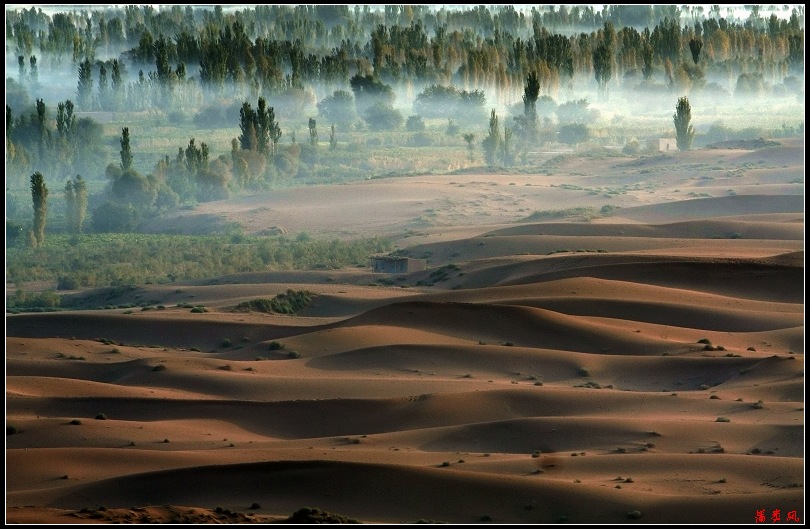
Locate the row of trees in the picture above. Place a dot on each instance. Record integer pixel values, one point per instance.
(246, 54)
(87, 33)
(130, 195)
(62, 145)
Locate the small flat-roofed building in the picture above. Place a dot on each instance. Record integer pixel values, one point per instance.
(395, 264)
(663, 144)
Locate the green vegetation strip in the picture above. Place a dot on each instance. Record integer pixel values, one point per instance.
(98, 260)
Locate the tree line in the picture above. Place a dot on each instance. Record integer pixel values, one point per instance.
(461, 65)
(137, 57)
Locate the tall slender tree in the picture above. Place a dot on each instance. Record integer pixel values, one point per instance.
(248, 122)
(70, 203)
(507, 157)
(313, 132)
(684, 132)
(647, 58)
(42, 130)
(332, 138)
(602, 67)
(264, 122)
(530, 94)
(84, 91)
(80, 211)
(117, 84)
(103, 87)
(65, 120)
(126, 151)
(21, 64)
(492, 142)
(33, 73)
(39, 195)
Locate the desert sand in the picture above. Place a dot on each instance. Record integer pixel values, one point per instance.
(539, 371)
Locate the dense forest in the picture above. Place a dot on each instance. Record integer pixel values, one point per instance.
(119, 114)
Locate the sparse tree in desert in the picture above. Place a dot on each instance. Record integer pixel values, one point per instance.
(259, 128)
(492, 142)
(80, 205)
(42, 129)
(117, 84)
(33, 74)
(21, 63)
(65, 119)
(530, 94)
(684, 132)
(313, 132)
(70, 202)
(103, 87)
(76, 200)
(126, 152)
(507, 157)
(265, 122)
(469, 138)
(39, 195)
(332, 138)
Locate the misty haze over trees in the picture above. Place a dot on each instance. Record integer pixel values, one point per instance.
(138, 111)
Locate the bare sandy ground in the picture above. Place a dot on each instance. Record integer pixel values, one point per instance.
(537, 372)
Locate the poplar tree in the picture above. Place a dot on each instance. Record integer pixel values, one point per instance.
(39, 195)
(332, 138)
(313, 133)
(70, 204)
(492, 142)
(684, 132)
(126, 152)
(84, 91)
(530, 95)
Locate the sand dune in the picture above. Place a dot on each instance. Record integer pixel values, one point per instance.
(706, 208)
(647, 362)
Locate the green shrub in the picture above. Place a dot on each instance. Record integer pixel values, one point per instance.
(100, 417)
(288, 302)
(314, 515)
